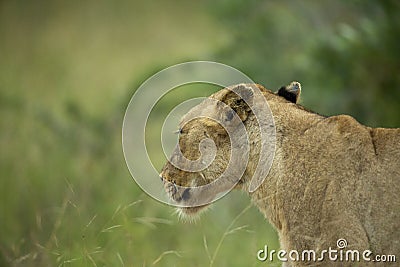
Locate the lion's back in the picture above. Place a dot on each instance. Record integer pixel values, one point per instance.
(350, 174)
(384, 212)
(387, 145)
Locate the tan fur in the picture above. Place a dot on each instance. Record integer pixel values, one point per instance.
(331, 177)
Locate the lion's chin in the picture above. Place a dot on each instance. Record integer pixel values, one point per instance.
(191, 214)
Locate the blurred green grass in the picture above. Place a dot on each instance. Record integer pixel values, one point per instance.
(68, 70)
(67, 199)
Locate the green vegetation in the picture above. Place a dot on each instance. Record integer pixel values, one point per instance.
(68, 70)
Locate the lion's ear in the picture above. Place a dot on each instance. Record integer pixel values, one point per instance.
(291, 92)
(239, 92)
(239, 100)
(245, 92)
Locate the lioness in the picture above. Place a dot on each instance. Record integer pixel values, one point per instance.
(331, 177)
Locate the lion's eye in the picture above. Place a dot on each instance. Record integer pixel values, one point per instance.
(238, 102)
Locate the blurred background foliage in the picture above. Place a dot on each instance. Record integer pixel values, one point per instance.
(68, 70)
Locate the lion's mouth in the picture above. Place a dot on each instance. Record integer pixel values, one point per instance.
(183, 196)
(177, 193)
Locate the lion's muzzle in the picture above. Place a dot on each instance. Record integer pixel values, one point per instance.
(175, 192)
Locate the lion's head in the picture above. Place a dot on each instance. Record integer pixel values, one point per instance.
(215, 139)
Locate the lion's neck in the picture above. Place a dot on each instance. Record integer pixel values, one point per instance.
(288, 126)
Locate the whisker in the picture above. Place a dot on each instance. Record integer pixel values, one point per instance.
(203, 177)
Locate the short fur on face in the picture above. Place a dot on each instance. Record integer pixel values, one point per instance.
(229, 106)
